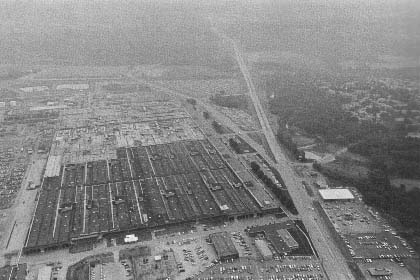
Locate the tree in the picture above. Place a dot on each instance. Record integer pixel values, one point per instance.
(254, 166)
(192, 101)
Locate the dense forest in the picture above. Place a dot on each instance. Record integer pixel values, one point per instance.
(280, 192)
(395, 155)
(317, 113)
(230, 101)
(321, 115)
(390, 152)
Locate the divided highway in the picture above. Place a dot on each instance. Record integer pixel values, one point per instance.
(333, 260)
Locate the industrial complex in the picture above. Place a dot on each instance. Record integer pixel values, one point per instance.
(144, 188)
(127, 179)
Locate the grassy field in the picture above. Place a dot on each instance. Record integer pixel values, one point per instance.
(409, 183)
(346, 169)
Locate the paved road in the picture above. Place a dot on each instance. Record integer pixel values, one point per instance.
(334, 261)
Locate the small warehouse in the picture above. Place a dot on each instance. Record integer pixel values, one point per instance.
(379, 272)
(288, 239)
(223, 245)
(277, 235)
(336, 194)
(263, 249)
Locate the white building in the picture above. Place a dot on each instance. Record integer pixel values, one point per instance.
(34, 89)
(336, 194)
(130, 238)
(73, 86)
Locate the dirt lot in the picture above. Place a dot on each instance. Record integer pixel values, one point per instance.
(346, 169)
(206, 88)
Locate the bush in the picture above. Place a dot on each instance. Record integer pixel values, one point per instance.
(254, 166)
(192, 101)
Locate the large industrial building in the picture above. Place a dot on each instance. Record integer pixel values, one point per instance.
(223, 245)
(146, 173)
(145, 187)
(277, 235)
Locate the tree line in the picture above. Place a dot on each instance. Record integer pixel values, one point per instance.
(281, 193)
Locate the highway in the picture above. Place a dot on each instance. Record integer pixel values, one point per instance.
(333, 260)
(330, 254)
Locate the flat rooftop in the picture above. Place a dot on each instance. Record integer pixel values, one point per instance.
(336, 194)
(277, 234)
(379, 271)
(144, 187)
(223, 244)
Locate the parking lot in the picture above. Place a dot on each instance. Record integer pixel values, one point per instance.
(194, 255)
(12, 170)
(304, 268)
(353, 217)
(160, 265)
(380, 245)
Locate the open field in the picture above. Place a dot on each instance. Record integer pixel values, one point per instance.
(79, 72)
(207, 88)
(408, 183)
(347, 169)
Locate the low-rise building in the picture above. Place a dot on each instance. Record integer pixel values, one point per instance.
(223, 245)
(336, 194)
(263, 249)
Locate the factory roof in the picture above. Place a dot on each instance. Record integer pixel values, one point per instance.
(223, 244)
(287, 238)
(379, 271)
(336, 194)
(53, 166)
(263, 248)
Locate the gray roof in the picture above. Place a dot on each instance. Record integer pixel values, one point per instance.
(223, 244)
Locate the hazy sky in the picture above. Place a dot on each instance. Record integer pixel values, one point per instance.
(172, 31)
